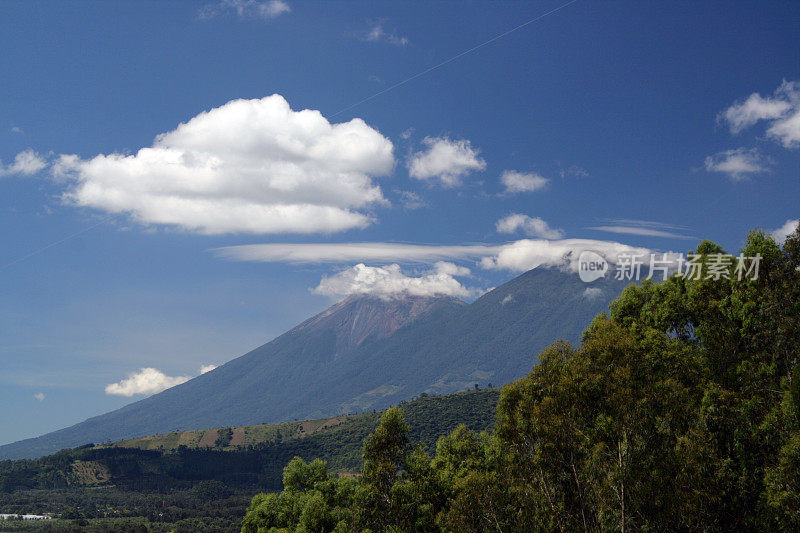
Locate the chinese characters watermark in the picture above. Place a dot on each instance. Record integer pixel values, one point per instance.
(629, 266)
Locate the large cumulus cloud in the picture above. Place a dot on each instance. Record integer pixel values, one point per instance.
(249, 166)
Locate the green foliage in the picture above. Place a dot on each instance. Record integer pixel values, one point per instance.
(224, 436)
(678, 411)
(203, 489)
(313, 500)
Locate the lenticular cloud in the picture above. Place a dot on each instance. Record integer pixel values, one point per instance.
(249, 166)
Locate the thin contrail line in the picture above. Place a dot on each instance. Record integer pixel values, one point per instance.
(454, 58)
(55, 243)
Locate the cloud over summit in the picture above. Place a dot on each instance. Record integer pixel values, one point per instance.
(526, 254)
(390, 281)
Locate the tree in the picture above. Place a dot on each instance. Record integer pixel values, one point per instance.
(679, 410)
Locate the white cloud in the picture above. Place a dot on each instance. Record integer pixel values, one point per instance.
(784, 231)
(645, 232)
(16, 129)
(389, 281)
(353, 252)
(573, 171)
(39, 396)
(531, 226)
(26, 163)
(644, 228)
(146, 381)
(516, 182)
(737, 164)
(376, 33)
(273, 8)
(508, 299)
(755, 108)
(451, 269)
(517, 256)
(407, 133)
(445, 160)
(526, 254)
(268, 9)
(592, 292)
(787, 130)
(207, 368)
(251, 166)
(411, 200)
(782, 111)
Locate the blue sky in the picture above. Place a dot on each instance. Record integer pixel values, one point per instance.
(638, 118)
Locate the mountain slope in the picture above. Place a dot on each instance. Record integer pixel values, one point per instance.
(264, 456)
(363, 353)
(134, 477)
(496, 339)
(254, 388)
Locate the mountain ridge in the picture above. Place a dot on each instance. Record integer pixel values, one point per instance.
(326, 366)
(358, 317)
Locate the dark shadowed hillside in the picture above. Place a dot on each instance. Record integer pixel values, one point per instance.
(206, 488)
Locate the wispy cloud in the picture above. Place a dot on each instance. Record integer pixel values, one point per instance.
(411, 200)
(781, 111)
(371, 252)
(264, 10)
(645, 228)
(592, 292)
(738, 164)
(573, 171)
(377, 33)
(530, 226)
(517, 182)
(39, 396)
(26, 163)
(517, 256)
(645, 232)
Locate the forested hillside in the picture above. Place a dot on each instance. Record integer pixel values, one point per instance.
(678, 411)
(211, 484)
